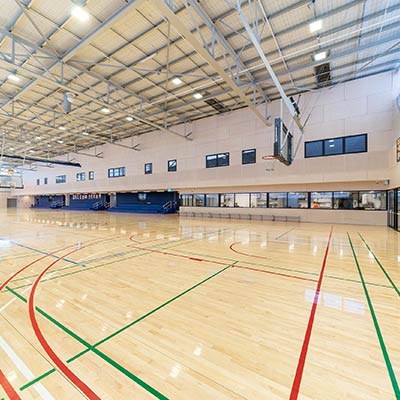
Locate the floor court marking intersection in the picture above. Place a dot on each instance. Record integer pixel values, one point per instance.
(382, 344)
(307, 337)
(103, 355)
(380, 265)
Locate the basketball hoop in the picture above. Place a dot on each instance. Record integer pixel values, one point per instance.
(271, 162)
(269, 157)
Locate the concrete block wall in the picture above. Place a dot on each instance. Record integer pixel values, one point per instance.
(362, 106)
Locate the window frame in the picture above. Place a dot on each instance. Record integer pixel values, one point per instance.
(150, 171)
(81, 176)
(61, 179)
(344, 149)
(172, 169)
(365, 135)
(253, 151)
(112, 172)
(91, 176)
(217, 157)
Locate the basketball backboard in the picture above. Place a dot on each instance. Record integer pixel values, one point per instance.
(282, 142)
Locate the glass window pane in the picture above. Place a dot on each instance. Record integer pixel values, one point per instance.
(171, 165)
(297, 200)
(373, 200)
(249, 156)
(199, 200)
(333, 146)
(223, 159)
(91, 175)
(258, 200)
(355, 144)
(212, 200)
(345, 200)
(148, 168)
(242, 200)
(227, 200)
(211, 161)
(314, 149)
(122, 171)
(278, 200)
(321, 200)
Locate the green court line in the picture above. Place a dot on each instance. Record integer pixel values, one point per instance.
(230, 260)
(377, 328)
(103, 265)
(283, 234)
(93, 347)
(381, 266)
(102, 355)
(279, 268)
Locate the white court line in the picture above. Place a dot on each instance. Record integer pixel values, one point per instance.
(2, 309)
(42, 391)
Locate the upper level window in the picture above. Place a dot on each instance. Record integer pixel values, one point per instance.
(335, 146)
(148, 168)
(91, 175)
(116, 172)
(45, 181)
(61, 179)
(249, 156)
(355, 144)
(172, 165)
(217, 160)
(37, 181)
(314, 149)
(80, 176)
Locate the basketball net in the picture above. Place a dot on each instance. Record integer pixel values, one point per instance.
(270, 162)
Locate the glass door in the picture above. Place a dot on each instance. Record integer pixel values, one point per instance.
(392, 210)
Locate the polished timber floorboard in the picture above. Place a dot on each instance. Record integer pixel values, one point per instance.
(122, 306)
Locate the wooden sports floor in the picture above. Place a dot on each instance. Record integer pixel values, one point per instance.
(122, 306)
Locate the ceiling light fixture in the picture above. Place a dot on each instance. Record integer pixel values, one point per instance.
(84, 133)
(316, 25)
(105, 110)
(320, 55)
(198, 96)
(130, 119)
(11, 148)
(176, 81)
(78, 10)
(148, 58)
(62, 128)
(60, 141)
(28, 142)
(13, 77)
(31, 151)
(49, 145)
(38, 137)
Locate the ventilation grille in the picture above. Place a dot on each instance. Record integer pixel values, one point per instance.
(323, 74)
(216, 105)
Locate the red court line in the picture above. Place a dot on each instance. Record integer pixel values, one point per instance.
(4, 284)
(57, 361)
(246, 254)
(275, 273)
(303, 354)
(11, 393)
(221, 263)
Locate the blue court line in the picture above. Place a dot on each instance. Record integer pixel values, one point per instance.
(44, 252)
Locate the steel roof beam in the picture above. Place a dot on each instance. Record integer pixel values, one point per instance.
(176, 22)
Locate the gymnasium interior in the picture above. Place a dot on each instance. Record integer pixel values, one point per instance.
(200, 199)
